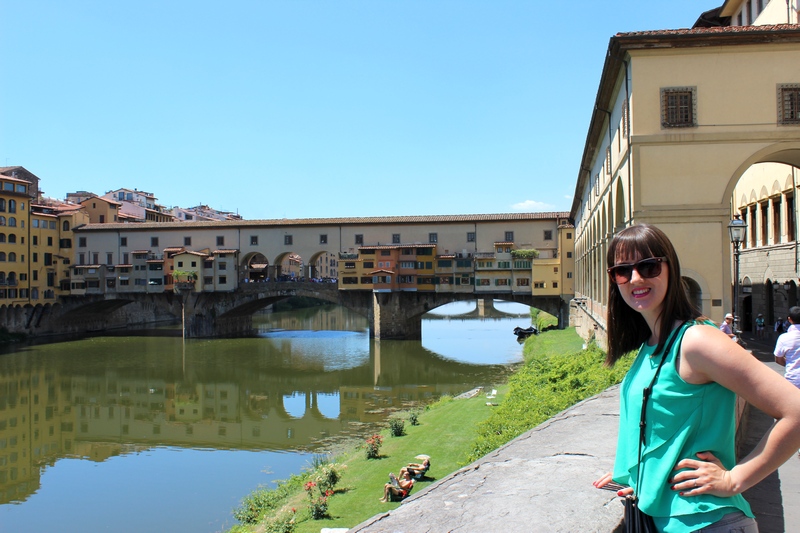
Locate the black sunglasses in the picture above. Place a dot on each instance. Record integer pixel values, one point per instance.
(647, 268)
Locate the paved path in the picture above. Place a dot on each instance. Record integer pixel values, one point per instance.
(776, 500)
(542, 480)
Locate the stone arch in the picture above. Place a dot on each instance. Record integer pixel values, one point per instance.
(698, 289)
(255, 266)
(787, 153)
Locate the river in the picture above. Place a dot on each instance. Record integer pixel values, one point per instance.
(147, 432)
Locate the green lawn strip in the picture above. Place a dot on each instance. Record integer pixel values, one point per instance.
(446, 433)
(557, 374)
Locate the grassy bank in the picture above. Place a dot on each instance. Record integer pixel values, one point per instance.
(557, 374)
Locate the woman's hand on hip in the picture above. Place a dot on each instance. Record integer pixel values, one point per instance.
(704, 475)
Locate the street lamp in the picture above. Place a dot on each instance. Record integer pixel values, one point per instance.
(738, 230)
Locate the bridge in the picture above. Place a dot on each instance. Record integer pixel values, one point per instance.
(392, 315)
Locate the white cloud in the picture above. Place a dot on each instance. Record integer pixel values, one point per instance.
(532, 205)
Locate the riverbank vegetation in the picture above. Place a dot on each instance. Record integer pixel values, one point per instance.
(558, 372)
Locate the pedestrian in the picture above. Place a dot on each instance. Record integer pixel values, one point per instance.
(684, 470)
(727, 326)
(787, 349)
(760, 326)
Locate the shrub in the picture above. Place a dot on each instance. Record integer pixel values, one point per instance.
(413, 417)
(318, 500)
(397, 427)
(328, 476)
(256, 504)
(373, 446)
(283, 522)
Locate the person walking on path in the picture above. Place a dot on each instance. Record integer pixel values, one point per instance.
(787, 349)
(760, 326)
(685, 473)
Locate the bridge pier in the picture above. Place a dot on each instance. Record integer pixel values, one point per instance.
(391, 317)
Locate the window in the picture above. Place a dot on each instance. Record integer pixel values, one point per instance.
(123, 241)
(523, 282)
(608, 161)
(569, 255)
(287, 240)
(789, 218)
(433, 238)
(64, 225)
(470, 236)
(223, 280)
(359, 239)
(789, 104)
(509, 236)
(323, 239)
(187, 241)
(95, 258)
(102, 219)
(220, 240)
(35, 240)
(153, 241)
(395, 238)
(569, 275)
(35, 223)
(548, 235)
(222, 265)
(678, 107)
(82, 242)
(569, 235)
(776, 220)
(109, 259)
(49, 241)
(35, 257)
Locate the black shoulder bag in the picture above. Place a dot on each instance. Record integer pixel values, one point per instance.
(635, 520)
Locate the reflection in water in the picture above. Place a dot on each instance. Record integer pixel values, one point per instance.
(310, 376)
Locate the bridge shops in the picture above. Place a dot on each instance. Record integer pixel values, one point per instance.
(390, 269)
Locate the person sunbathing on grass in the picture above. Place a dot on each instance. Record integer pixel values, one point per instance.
(417, 470)
(396, 492)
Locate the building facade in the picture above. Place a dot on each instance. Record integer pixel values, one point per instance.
(670, 142)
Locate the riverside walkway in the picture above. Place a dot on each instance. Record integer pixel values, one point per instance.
(542, 480)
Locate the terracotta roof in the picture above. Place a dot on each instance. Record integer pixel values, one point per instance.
(503, 243)
(379, 271)
(174, 249)
(124, 266)
(771, 29)
(352, 221)
(394, 246)
(154, 261)
(87, 266)
(446, 256)
(192, 252)
(229, 251)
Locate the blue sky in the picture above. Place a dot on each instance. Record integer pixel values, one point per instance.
(305, 109)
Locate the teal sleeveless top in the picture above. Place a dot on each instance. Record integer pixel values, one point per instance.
(682, 420)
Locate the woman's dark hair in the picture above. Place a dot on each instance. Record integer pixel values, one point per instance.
(626, 328)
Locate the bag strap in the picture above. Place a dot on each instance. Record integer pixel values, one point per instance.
(646, 392)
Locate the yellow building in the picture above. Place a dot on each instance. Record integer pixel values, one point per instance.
(680, 117)
(15, 196)
(102, 210)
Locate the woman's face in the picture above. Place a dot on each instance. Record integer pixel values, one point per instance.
(645, 295)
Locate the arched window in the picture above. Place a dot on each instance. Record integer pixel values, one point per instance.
(2, 221)
(12, 238)
(12, 278)
(2, 237)
(2, 204)
(12, 258)
(12, 206)
(2, 256)
(65, 226)
(2, 277)
(12, 222)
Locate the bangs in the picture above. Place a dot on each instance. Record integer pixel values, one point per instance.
(636, 242)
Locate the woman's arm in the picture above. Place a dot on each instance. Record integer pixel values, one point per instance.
(708, 355)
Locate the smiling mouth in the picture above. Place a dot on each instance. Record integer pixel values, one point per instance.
(640, 292)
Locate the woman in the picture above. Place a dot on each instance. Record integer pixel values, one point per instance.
(397, 493)
(417, 470)
(689, 476)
